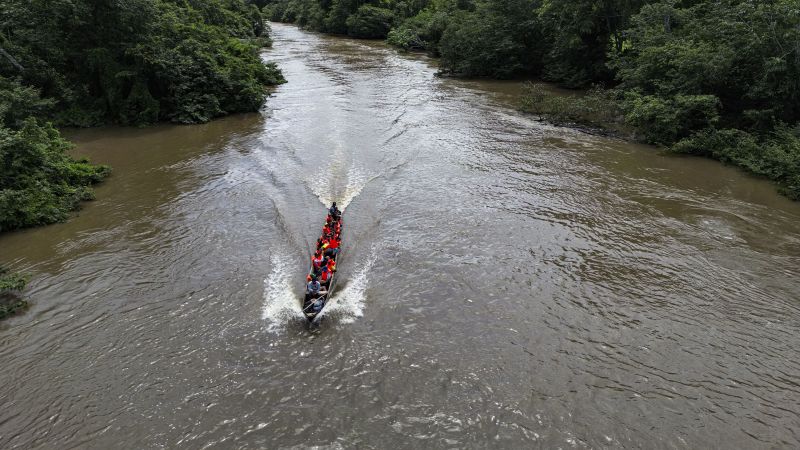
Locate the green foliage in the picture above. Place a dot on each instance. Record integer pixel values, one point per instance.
(745, 54)
(39, 182)
(495, 40)
(775, 156)
(579, 36)
(135, 62)
(370, 22)
(10, 305)
(18, 102)
(665, 120)
(597, 108)
(11, 282)
(421, 32)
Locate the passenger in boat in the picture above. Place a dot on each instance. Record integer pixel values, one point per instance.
(316, 263)
(317, 305)
(334, 211)
(317, 259)
(314, 287)
(332, 249)
(331, 264)
(326, 275)
(315, 272)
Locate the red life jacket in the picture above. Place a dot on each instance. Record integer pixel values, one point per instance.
(333, 243)
(326, 274)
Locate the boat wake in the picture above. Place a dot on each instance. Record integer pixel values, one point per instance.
(328, 188)
(281, 304)
(348, 304)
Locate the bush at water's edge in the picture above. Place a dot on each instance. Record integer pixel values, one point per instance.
(10, 284)
(141, 62)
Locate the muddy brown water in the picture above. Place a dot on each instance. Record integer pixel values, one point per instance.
(505, 283)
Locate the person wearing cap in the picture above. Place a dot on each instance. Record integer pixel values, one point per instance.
(314, 287)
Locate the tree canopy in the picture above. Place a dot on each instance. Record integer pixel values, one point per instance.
(129, 62)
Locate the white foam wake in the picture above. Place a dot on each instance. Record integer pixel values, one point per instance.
(280, 302)
(348, 304)
(329, 188)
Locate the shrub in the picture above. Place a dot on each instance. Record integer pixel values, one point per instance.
(11, 281)
(597, 107)
(39, 182)
(421, 32)
(370, 22)
(665, 120)
(775, 156)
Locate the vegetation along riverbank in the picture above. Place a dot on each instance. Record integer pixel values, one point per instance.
(10, 284)
(86, 63)
(712, 78)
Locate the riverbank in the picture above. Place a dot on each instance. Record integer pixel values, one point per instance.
(175, 62)
(774, 156)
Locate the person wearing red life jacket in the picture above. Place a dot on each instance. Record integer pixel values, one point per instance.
(326, 275)
(317, 260)
(332, 248)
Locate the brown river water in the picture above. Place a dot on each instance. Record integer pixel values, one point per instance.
(504, 283)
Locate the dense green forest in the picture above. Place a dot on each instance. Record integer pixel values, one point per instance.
(128, 62)
(712, 78)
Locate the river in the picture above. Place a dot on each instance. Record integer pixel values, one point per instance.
(504, 283)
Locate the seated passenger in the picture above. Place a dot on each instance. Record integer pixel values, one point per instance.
(326, 275)
(317, 259)
(332, 247)
(317, 305)
(313, 287)
(315, 272)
